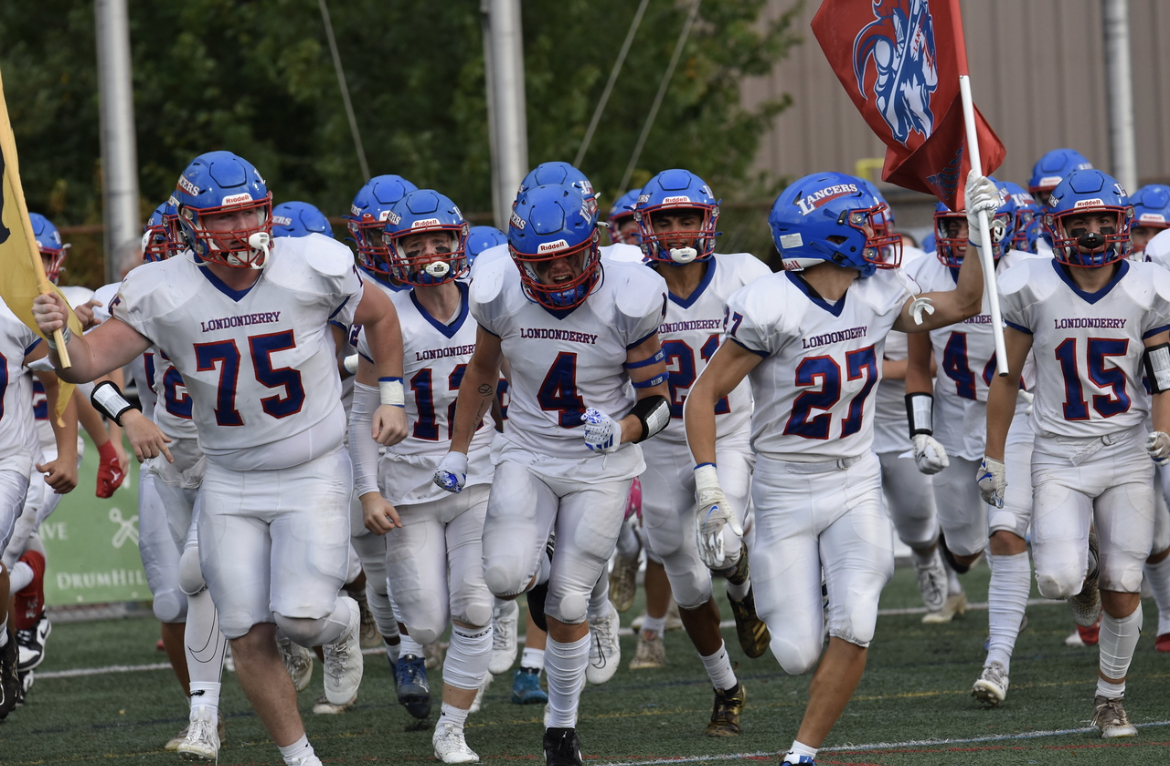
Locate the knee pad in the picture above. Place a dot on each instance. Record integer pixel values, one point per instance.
(796, 658)
(570, 608)
(190, 573)
(477, 612)
(302, 630)
(1061, 584)
(170, 606)
(502, 583)
(468, 656)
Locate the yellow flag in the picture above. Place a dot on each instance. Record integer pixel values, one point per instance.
(22, 275)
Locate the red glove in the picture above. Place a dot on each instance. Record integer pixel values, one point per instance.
(110, 473)
(634, 501)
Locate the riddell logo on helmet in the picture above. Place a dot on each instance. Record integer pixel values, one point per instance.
(235, 199)
(816, 199)
(188, 187)
(1147, 218)
(684, 199)
(552, 247)
(517, 221)
(425, 222)
(1095, 202)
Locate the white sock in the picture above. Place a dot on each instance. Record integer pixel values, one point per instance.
(299, 749)
(1119, 639)
(565, 665)
(203, 643)
(739, 592)
(407, 645)
(1007, 596)
(599, 598)
(954, 587)
(20, 577)
(799, 748)
(719, 669)
(532, 659)
(468, 656)
(655, 625)
(452, 714)
(1157, 575)
(204, 695)
(382, 611)
(923, 559)
(393, 651)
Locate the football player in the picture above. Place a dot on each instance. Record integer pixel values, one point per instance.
(811, 338)
(623, 226)
(1151, 216)
(245, 322)
(948, 448)
(299, 219)
(1048, 171)
(576, 335)
(677, 219)
(1090, 318)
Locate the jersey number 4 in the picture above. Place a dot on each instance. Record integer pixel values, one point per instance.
(1112, 378)
(825, 371)
(225, 355)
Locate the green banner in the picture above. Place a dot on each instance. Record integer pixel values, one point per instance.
(92, 544)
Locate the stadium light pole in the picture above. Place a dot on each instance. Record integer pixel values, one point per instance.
(1119, 87)
(506, 104)
(119, 143)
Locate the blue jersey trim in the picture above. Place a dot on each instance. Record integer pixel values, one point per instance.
(835, 310)
(448, 330)
(760, 354)
(1155, 331)
(235, 295)
(1018, 327)
(686, 303)
(1091, 298)
(32, 345)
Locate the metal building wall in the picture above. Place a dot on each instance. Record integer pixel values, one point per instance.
(1037, 71)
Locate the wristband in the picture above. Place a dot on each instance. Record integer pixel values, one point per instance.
(65, 336)
(920, 414)
(706, 477)
(108, 400)
(390, 392)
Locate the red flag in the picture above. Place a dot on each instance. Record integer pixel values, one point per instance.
(900, 62)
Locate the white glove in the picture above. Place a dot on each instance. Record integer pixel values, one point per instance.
(992, 481)
(929, 454)
(717, 531)
(1158, 447)
(451, 474)
(602, 433)
(981, 194)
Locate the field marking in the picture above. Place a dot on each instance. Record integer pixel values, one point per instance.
(880, 746)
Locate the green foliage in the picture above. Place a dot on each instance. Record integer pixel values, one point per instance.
(256, 78)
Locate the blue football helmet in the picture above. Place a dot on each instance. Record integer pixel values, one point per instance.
(556, 174)
(49, 243)
(825, 217)
(950, 245)
(367, 219)
(1027, 211)
(480, 238)
(1151, 206)
(551, 224)
(299, 219)
(1088, 191)
(1051, 169)
(673, 190)
(222, 182)
(620, 214)
(432, 260)
(161, 238)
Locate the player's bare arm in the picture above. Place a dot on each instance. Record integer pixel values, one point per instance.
(730, 365)
(61, 472)
(952, 306)
(378, 514)
(111, 346)
(641, 373)
(379, 320)
(477, 391)
(918, 363)
(1002, 393)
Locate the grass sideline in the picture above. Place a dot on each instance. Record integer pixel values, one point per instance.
(913, 706)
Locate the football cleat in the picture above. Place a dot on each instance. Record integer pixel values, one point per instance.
(992, 686)
(414, 694)
(344, 664)
(562, 748)
(477, 703)
(1086, 605)
(324, 707)
(932, 583)
(297, 659)
(450, 747)
(173, 743)
(1109, 716)
(9, 679)
(956, 604)
(725, 716)
(623, 582)
(651, 652)
(370, 637)
(753, 634)
(203, 735)
(605, 652)
(792, 759)
(505, 620)
(30, 643)
(526, 687)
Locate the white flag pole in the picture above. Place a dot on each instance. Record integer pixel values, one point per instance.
(984, 229)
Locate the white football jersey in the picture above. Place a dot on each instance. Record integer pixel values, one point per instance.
(820, 362)
(564, 362)
(1158, 249)
(143, 369)
(891, 431)
(1087, 347)
(17, 430)
(691, 334)
(435, 356)
(250, 358)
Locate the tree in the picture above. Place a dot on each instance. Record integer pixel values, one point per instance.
(256, 78)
